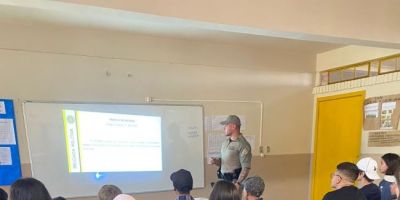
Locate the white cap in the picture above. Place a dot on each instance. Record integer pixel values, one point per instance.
(370, 167)
(124, 197)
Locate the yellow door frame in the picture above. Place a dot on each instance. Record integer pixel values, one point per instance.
(319, 100)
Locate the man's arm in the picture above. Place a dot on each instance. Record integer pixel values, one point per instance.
(243, 174)
(245, 162)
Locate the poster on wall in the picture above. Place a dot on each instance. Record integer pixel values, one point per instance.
(382, 113)
(10, 165)
(384, 138)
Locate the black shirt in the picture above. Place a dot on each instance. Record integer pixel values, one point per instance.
(345, 193)
(371, 192)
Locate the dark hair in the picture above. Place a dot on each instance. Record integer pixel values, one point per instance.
(368, 179)
(392, 161)
(348, 169)
(182, 181)
(59, 198)
(224, 190)
(3, 194)
(29, 189)
(108, 192)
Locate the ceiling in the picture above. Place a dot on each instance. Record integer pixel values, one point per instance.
(72, 15)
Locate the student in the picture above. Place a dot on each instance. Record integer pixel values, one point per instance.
(253, 188)
(224, 190)
(368, 173)
(3, 194)
(343, 182)
(108, 192)
(183, 183)
(124, 197)
(29, 189)
(390, 162)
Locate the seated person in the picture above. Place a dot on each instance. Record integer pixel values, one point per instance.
(29, 189)
(390, 163)
(224, 190)
(253, 188)
(368, 173)
(343, 182)
(3, 194)
(183, 183)
(108, 192)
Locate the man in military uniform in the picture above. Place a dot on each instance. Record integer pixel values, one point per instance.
(235, 160)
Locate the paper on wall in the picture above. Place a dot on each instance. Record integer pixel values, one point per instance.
(2, 107)
(7, 133)
(5, 156)
(207, 124)
(371, 110)
(386, 114)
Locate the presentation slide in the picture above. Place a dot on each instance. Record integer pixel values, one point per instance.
(76, 148)
(109, 142)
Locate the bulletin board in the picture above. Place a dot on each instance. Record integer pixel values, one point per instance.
(381, 123)
(10, 165)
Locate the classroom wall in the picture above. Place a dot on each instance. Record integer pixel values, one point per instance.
(54, 63)
(350, 54)
(375, 22)
(382, 85)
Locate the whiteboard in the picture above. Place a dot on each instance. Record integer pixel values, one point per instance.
(181, 137)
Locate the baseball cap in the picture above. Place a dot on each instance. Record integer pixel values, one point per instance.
(124, 197)
(231, 119)
(369, 166)
(182, 180)
(254, 185)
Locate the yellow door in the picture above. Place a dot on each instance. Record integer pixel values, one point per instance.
(337, 137)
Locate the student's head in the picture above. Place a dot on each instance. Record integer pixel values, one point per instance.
(253, 187)
(231, 124)
(3, 194)
(59, 198)
(224, 190)
(29, 189)
(368, 169)
(108, 192)
(346, 174)
(182, 181)
(389, 163)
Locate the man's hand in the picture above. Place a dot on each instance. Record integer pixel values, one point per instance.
(214, 161)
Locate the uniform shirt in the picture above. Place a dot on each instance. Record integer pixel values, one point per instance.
(235, 154)
(371, 192)
(345, 193)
